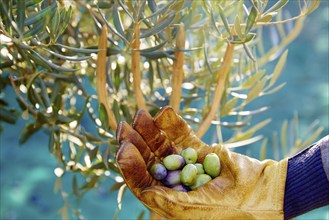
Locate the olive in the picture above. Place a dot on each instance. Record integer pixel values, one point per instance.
(180, 187)
(190, 155)
(199, 166)
(188, 174)
(172, 178)
(211, 165)
(200, 180)
(158, 171)
(173, 162)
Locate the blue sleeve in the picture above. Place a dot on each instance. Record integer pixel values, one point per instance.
(307, 185)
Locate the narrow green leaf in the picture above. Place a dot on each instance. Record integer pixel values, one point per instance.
(126, 113)
(116, 110)
(249, 53)
(91, 183)
(116, 186)
(155, 48)
(274, 90)
(117, 20)
(105, 157)
(116, 78)
(32, 2)
(110, 26)
(51, 141)
(237, 27)
(36, 29)
(113, 167)
(8, 116)
(27, 131)
(70, 58)
(251, 19)
(249, 37)
(214, 22)
(151, 75)
(263, 149)
(78, 50)
(54, 25)
(277, 6)
(177, 6)
(224, 19)
(57, 104)
(158, 27)
(50, 64)
(93, 153)
(207, 59)
(126, 9)
(266, 18)
(256, 90)
(103, 117)
(284, 136)
(253, 79)
(65, 18)
(44, 93)
(40, 15)
(20, 14)
(278, 68)
(249, 113)
(160, 11)
(32, 79)
(228, 107)
(91, 137)
(314, 135)
(158, 54)
(314, 4)
(153, 5)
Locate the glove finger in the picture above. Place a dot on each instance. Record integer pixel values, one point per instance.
(154, 138)
(176, 128)
(125, 133)
(133, 168)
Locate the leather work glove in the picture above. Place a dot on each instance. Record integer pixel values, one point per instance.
(245, 189)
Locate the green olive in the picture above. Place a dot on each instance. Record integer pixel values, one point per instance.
(199, 166)
(211, 165)
(188, 174)
(173, 162)
(190, 155)
(200, 180)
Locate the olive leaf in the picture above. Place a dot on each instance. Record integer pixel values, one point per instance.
(158, 27)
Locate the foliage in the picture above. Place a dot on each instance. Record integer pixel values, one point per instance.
(79, 67)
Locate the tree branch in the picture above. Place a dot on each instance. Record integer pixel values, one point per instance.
(178, 74)
(219, 90)
(135, 68)
(101, 73)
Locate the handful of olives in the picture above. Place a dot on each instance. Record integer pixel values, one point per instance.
(182, 172)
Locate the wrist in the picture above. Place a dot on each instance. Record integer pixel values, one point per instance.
(307, 186)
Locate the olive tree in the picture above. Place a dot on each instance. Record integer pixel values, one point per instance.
(78, 68)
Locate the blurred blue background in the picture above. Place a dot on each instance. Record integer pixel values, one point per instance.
(27, 177)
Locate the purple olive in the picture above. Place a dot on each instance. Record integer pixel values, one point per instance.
(180, 187)
(158, 171)
(172, 178)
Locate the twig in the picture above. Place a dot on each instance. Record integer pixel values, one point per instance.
(135, 68)
(219, 90)
(101, 78)
(178, 74)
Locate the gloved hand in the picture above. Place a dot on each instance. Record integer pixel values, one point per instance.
(245, 189)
